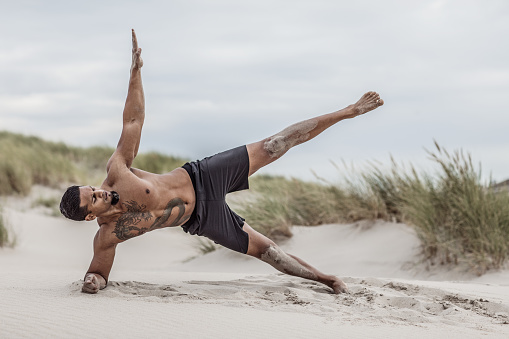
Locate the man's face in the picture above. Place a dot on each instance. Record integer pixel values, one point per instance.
(98, 201)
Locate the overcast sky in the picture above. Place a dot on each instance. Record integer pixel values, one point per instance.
(219, 74)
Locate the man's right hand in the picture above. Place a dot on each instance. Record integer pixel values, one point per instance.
(137, 62)
(92, 284)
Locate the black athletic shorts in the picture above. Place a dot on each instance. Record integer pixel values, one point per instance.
(214, 177)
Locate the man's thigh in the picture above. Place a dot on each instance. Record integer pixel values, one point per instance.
(258, 156)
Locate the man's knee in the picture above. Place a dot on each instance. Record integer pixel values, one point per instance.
(276, 146)
(258, 249)
(258, 243)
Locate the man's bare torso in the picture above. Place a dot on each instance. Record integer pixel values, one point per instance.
(149, 201)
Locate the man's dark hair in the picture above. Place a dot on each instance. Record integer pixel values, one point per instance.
(70, 204)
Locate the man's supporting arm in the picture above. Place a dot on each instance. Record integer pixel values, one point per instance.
(134, 113)
(100, 267)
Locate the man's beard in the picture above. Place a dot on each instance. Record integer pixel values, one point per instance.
(114, 197)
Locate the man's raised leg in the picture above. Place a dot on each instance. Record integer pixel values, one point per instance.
(264, 152)
(266, 250)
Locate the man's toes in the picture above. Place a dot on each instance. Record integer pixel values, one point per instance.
(381, 102)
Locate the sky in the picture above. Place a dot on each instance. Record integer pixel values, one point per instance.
(218, 74)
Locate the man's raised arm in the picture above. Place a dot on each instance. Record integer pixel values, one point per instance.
(134, 113)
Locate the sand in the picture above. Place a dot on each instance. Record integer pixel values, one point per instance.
(161, 286)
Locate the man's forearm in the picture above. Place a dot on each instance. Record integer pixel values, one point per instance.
(134, 110)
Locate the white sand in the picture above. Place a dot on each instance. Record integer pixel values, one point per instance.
(154, 293)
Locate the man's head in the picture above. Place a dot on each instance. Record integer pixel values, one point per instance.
(86, 202)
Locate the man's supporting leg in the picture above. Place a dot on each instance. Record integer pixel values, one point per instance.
(266, 250)
(264, 152)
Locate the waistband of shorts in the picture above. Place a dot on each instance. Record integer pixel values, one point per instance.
(189, 170)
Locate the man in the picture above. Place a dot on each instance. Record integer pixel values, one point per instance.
(131, 202)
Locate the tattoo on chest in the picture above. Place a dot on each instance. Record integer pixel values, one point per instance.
(127, 225)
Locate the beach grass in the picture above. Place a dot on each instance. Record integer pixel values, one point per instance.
(4, 236)
(282, 202)
(27, 160)
(458, 217)
(7, 238)
(206, 245)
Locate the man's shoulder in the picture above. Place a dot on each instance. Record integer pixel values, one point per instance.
(116, 161)
(115, 171)
(105, 236)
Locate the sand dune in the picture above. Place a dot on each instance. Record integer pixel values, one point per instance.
(157, 288)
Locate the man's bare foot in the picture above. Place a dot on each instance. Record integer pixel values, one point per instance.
(137, 62)
(366, 103)
(338, 286)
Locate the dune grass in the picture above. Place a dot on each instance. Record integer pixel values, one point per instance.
(458, 218)
(26, 161)
(282, 202)
(7, 239)
(4, 236)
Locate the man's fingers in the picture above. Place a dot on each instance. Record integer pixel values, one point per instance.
(89, 290)
(135, 41)
(90, 285)
(91, 279)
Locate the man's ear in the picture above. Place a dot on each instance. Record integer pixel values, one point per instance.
(90, 217)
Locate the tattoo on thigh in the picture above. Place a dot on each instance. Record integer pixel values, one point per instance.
(127, 225)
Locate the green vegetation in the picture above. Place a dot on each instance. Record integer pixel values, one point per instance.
(456, 216)
(206, 245)
(281, 202)
(4, 236)
(26, 161)
(50, 203)
(5, 239)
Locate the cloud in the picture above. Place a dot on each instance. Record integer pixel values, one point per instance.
(218, 74)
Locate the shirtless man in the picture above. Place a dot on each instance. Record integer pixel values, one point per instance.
(131, 202)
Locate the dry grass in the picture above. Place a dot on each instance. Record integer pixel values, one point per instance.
(458, 218)
(26, 161)
(7, 239)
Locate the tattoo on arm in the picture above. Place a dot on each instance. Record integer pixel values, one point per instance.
(126, 226)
